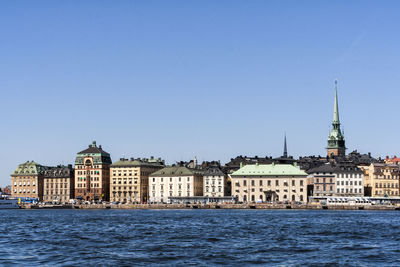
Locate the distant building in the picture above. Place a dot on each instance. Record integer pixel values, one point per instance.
(336, 143)
(349, 180)
(284, 159)
(381, 180)
(92, 174)
(323, 180)
(273, 182)
(175, 181)
(6, 190)
(215, 183)
(130, 179)
(394, 160)
(235, 163)
(58, 184)
(27, 180)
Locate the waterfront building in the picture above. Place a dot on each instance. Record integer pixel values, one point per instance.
(336, 143)
(130, 179)
(215, 183)
(272, 182)
(92, 174)
(58, 184)
(349, 180)
(381, 180)
(27, 181)
(323, 180)
(175, 181)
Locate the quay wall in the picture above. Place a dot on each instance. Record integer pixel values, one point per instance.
(238, 206)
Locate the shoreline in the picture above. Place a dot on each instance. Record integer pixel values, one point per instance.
(217, 206)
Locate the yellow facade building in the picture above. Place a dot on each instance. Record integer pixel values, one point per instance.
(130, 179)
(381, 180)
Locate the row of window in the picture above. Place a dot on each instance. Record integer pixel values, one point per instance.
(387, 185)
(123, 188)
(56, 185)
(25, 191)
(51, 192)
(349, 190)
(261, 198)
(213, 189)
(390, 177)
(348, 182)
(269, 183)
(24, 183)
(170, 179)
(129, 181)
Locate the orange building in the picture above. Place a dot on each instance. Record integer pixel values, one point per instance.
(92, 174)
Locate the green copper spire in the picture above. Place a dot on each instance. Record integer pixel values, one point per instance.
(336, 107)
(336, 143)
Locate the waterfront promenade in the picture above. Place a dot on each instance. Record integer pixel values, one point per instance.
(218, 206)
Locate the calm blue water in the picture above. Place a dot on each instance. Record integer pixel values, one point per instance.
(199, 237)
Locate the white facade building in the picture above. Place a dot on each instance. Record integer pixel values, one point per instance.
(175, 181)
(215, 183)
(349, 181)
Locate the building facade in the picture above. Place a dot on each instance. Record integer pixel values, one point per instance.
(58, 184)
(381, 180)
(175, 181)
(215, 183)
(323, 179)
(27, 180)
(92, 174)
(130, 179)
(349, 180)
(269, 183)
(336, 143)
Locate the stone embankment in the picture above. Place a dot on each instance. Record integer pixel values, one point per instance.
(237, 206)
(217, 206)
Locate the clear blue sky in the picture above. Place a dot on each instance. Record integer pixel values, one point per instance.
(175, 79)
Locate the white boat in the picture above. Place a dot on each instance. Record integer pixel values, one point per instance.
(8, 203)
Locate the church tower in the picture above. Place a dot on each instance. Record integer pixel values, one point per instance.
(336, 144)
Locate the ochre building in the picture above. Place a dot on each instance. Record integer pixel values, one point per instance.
(58, 184)
(381, 180)
(27, 180)
(130, 179)
(92, 174)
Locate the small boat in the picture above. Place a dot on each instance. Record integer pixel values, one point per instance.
(7, 202)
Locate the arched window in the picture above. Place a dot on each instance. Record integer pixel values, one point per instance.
(293, 198)
(284, 196)
(261, 198)
(301, 198)
(244, 198)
